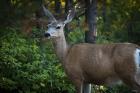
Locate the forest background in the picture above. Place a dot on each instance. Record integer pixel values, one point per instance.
(28, 64)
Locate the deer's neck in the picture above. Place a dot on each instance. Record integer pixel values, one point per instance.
(61, 47)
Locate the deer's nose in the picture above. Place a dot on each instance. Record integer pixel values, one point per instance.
(47, 35)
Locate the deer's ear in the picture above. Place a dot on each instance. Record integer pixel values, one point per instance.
(70, 16)
(49, 14)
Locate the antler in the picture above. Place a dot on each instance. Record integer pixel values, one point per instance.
(49, 14)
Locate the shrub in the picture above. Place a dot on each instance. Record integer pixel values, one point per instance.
(27, 67)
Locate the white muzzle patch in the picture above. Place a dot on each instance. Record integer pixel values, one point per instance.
(137, 59)
(52, 32)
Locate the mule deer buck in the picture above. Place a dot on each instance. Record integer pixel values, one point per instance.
(100, 64)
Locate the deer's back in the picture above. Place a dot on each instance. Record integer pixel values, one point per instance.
(100, 61)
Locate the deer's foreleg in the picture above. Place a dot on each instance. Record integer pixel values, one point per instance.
(78, 85)
(87, 88)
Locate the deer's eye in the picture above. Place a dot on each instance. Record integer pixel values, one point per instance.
(58, 27)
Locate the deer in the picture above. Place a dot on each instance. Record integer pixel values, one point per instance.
(100, 64)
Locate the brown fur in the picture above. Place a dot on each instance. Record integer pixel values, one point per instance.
(92, 63)
(101, 64)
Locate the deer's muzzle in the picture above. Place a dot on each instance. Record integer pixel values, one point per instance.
(47, 35)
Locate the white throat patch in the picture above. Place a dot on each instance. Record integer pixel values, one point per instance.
(137, 59)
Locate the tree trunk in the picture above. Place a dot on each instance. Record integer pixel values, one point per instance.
(104, 10)
(106, 25)
(6, 13)
(91, 18)
(57, 7)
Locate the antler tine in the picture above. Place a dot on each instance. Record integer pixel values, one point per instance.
(49, 14)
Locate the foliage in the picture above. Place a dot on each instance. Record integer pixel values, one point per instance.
(29, 66)
(76, 36)
(122, 21)
(25, 67)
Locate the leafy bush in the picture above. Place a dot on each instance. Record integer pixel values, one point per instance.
(76, 36)
(27, 67)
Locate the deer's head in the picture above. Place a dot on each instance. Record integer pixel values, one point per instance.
(55, 28)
